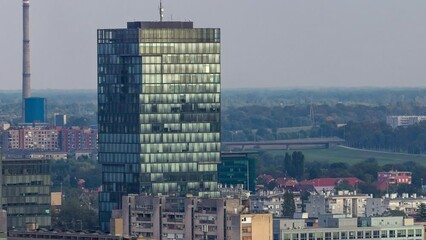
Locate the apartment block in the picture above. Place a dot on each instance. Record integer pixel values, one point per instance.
(31, 138)
(74, 139)
(404, 202)
(272, 202)
(346, 203)
(172, 217)
(25, 141)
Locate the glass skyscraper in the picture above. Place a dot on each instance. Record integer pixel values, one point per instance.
(159, 111)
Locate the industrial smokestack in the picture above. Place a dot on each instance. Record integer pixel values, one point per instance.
(26, 76)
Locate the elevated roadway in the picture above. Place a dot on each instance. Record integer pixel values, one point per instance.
(285, 144)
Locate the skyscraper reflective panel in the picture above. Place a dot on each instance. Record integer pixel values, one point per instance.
(159, 111)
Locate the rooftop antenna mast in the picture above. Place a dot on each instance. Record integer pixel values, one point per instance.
(161, 11)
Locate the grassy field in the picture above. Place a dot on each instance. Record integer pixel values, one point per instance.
(352, 156)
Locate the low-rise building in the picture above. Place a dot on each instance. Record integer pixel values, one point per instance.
(332, 227)
(385, 180)
(234, 191)
(405, 202)
(322, 185)
(237, 168)
(272, 202)
(344, 202)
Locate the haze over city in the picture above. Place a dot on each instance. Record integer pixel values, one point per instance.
(265, 44)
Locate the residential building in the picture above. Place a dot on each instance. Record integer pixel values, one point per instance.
(158, 111)
(31, 138)
(342, 228)
(272, 202)
(396, 121)
(234, 191)
(251, 226)
(344, 203)
(375, 207)
(405, 202)
(25, 193)
(173, 217)
(75, 139)
(237, 168)
(50, 142)
(323, 185)
(392, 178)
(35, 110)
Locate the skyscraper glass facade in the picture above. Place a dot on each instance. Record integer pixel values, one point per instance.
(158, 110)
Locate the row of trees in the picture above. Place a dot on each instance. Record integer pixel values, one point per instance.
(379, 135)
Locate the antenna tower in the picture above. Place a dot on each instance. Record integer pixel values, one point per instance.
(161, 11)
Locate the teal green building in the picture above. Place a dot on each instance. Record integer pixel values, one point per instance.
(237, 168)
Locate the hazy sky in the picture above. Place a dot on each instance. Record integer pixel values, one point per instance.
(272, 43)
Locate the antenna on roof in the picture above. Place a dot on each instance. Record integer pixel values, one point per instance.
(161, 11)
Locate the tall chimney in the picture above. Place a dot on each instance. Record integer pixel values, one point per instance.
(26, 75)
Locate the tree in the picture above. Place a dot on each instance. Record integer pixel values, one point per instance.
(294, 164)
(75, 213)
(289, 207)
(271, 185)
(394, 213)
(298, 160)
(288, 166)
(421, 212)
(344, 185)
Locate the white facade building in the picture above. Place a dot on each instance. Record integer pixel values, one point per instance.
(341, 228)
(396, 121)
(346, 203)
(406, 203)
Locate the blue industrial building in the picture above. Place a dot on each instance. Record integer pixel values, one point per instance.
(35, 110)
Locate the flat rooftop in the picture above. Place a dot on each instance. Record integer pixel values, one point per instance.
(157, 25)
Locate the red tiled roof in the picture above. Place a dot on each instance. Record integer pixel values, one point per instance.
(267, 178)
(324, 182)
(286, 182)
